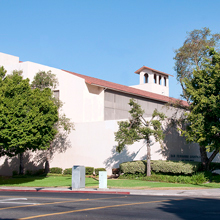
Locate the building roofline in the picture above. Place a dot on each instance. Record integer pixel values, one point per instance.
(126, 89)
(157, 71)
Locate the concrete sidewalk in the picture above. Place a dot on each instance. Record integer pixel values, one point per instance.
(153, 192)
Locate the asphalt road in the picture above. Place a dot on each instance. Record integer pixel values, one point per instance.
(42, 205)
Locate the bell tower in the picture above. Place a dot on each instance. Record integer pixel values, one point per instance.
(153, 81)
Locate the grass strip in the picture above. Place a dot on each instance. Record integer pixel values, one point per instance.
(65, 181)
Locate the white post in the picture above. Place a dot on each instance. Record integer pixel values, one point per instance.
(103, 179)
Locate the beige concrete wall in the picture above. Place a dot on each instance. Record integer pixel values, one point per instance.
(81, 102)
(93, 144)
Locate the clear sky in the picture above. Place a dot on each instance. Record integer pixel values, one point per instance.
(106, 39)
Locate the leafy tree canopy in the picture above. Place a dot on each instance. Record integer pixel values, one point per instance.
(27, 116)
(193, 52)
(44, 79)
(203, 91)
(138, 128)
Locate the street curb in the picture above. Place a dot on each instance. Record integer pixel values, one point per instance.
(65, 191)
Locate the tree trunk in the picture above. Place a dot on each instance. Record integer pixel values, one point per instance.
(204, 158)
(148, 159)
(21, 166)
(47, 164)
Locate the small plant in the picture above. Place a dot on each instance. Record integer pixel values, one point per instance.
(89, 170)
(39, 172)
(29, 172)
(56, 170)
(14, 173)
(115, 171)
(99, 169)
(67, 171)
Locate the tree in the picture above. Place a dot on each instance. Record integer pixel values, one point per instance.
(203, 119)
(27, 116)
(44, 80)
(138, 128)
(64, 125)
(193, 53)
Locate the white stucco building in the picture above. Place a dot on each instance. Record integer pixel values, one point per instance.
(95, 106)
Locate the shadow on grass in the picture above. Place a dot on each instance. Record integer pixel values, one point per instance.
(4, 181)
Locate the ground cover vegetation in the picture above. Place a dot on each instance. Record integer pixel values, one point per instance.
(138, 128)
(138, 181)
(198, 71)
(169, 171)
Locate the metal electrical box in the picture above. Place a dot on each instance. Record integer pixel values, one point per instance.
(78, 177)
(103, 179)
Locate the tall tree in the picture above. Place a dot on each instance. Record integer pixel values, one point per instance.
(44, 80)
(27, 116)
(193, 52)
(203, 119)
(138, 128)
(192, 55)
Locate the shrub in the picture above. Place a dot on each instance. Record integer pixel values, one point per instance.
(67, 171)
(99, 169)
(133, 167)
(175, 167)
(160, 166)
(29, 172)
(14, 173)
(89, 170)
(39, 172)
(56, 170)
(194, 179)
(115, 171)
(214, 166)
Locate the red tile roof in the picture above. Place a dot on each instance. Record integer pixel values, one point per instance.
(157, 71)
(127, 89)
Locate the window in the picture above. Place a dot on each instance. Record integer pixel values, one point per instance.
(146, 78)
(160, 80)
(155, 78)
(165, 81)
(56, 94)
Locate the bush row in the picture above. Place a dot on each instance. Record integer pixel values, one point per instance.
(197, 178)
(68, 171)
(164, 167)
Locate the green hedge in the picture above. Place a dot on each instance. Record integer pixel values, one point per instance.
(175, 167)
(89, 170)
(133, 167)
(99, 169)
(160, 166)
(67, 171)
(56, 170)
(214, 166)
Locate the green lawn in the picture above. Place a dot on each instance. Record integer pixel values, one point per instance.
(65, 181)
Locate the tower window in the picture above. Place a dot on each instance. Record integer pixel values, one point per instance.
(159, 80)
(146, 78)
(155, 78)
(165, 81)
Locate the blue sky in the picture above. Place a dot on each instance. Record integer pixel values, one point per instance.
(109, 40)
